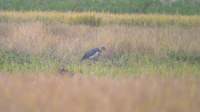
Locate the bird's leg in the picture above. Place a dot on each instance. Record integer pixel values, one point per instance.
(94, 61)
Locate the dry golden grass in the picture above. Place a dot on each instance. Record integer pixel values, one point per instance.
(93, 18)
(51, 93)
(130, 49)
(67, 41)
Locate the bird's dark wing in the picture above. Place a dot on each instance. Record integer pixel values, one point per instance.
(90, 53)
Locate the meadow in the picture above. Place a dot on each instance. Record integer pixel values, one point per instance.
(151, 62)
(136, 44)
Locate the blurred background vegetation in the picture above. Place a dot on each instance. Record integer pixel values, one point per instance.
(187, 7)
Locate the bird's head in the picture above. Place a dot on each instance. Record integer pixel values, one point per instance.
(103, 48)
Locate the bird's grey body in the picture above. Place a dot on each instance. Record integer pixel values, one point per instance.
(92, 54)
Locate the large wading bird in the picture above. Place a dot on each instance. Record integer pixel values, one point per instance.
(93, 54)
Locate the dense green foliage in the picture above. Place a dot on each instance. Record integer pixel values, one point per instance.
(116, 6)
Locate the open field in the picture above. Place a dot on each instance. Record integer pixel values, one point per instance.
(115, 6)
(131, 50)
(151, 62)
(39, 92)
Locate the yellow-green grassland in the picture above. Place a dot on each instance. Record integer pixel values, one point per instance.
(151, 62)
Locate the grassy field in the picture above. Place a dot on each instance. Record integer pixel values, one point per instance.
(188, 7)
(131, 50)
(151, 62)
(39, 92)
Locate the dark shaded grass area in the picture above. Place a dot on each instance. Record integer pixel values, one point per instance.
(116, 6)
(12, 61)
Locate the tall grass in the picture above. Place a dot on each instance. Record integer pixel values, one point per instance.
(96, 19)
(38, 92)
(131, 50)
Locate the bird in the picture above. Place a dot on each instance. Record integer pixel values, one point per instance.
(93, 54)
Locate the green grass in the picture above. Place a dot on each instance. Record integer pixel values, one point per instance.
(116, 6)
(132, 65)
(11, 61)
